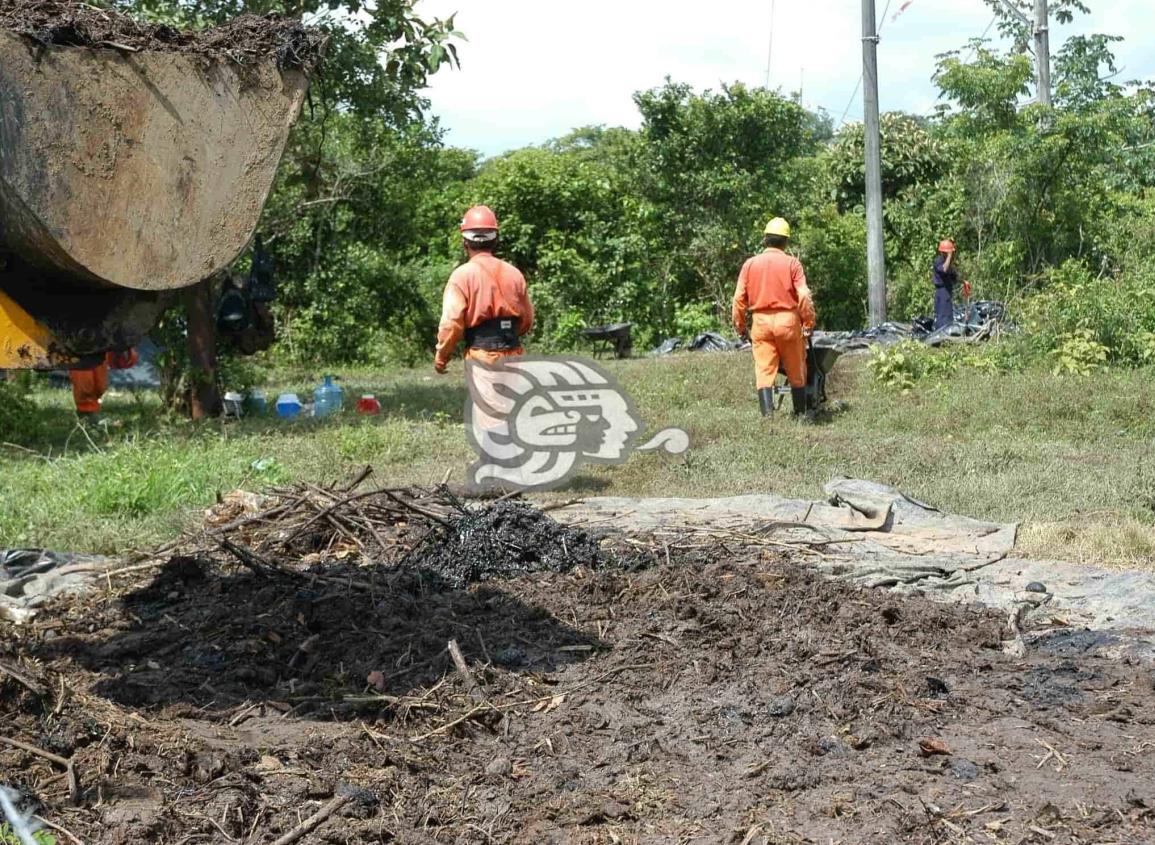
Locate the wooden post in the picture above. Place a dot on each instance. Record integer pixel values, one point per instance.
(875, 250)
(1040, 29)
(1043, 52)
(203, 394)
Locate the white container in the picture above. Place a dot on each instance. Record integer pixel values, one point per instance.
(234, 404)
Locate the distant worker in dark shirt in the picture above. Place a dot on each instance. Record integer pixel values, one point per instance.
(945, 276)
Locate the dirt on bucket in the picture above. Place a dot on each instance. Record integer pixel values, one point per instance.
(70, 23)
(644, 691)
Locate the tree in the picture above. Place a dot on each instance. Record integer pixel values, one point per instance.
(712, 168)
(987, 88)
(1014, 25)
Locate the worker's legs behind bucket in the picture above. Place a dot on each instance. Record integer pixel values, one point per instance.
(88, 386)
(777, 340)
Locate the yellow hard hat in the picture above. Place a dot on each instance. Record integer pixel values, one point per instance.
(778, 226)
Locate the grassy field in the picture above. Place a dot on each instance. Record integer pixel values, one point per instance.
(1072, 459)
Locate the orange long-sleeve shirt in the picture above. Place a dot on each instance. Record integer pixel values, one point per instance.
(483, 288)
(772, 281)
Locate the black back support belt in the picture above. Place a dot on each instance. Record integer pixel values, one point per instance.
(500, 333)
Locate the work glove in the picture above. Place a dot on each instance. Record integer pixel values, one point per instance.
(124, 360)
(806, 311)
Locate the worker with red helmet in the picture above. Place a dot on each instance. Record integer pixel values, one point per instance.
(944, 275)
(89, 385)
(486, 302)
(772, 285)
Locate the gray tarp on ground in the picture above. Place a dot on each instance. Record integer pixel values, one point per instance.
(29, 577)
(874, 536)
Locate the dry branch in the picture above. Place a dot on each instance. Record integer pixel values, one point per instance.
(311, 823)
(471, 685)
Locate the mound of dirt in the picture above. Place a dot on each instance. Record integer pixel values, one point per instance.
(70, 23)
(503, 541)
(292, 680)
(740, 699)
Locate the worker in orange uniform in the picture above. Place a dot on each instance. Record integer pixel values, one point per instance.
(89, 385)
(772, 285)
(486, 302)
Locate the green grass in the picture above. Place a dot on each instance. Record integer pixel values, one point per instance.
(1072, 459)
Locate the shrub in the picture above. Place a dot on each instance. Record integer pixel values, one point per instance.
(17, 412)
(1079, 354)
(1110, 317)
(904, 364)
(8, 836)
(832, 248)
(693, 318)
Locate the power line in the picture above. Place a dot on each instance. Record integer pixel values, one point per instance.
(850, 102)
(973, 52)
(974, 49)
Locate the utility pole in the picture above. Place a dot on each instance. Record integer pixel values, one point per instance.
(1043, 51)
(1040, 29)
(875, 252)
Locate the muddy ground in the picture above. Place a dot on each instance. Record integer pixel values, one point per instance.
(661, 695)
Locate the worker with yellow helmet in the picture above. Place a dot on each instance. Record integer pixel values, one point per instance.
(772, 286)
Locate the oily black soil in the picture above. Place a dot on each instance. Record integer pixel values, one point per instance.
(501, 541)
(716, 694)
(69, 23)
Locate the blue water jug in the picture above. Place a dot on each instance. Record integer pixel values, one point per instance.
(258, 404)
(288, 406)
(328, 398)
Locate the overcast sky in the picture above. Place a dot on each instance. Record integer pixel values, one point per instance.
(534, 69)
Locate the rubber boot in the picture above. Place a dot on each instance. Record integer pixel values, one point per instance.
(798, 397)
(766, 400)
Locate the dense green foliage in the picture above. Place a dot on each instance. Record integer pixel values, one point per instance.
(8, 836)
(16, 410)
(1052, 208)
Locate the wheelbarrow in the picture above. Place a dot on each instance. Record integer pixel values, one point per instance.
(820, 361)
(614, 338)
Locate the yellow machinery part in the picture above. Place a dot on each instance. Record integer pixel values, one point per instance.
(25, 343)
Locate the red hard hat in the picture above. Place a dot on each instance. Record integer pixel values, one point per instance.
(479, 217)
(946, 245)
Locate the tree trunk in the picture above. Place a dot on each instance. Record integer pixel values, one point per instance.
(204, 396)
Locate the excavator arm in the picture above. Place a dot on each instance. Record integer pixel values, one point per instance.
(25, 343)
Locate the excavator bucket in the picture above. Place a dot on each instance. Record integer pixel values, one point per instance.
(144, 170)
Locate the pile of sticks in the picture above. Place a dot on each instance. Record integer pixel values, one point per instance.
(308, 518)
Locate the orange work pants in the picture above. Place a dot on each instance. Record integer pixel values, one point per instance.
(483, 386)
(777, 338)
(88, 386)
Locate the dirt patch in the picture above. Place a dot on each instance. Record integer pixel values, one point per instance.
(716, 694)
(69, 23)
